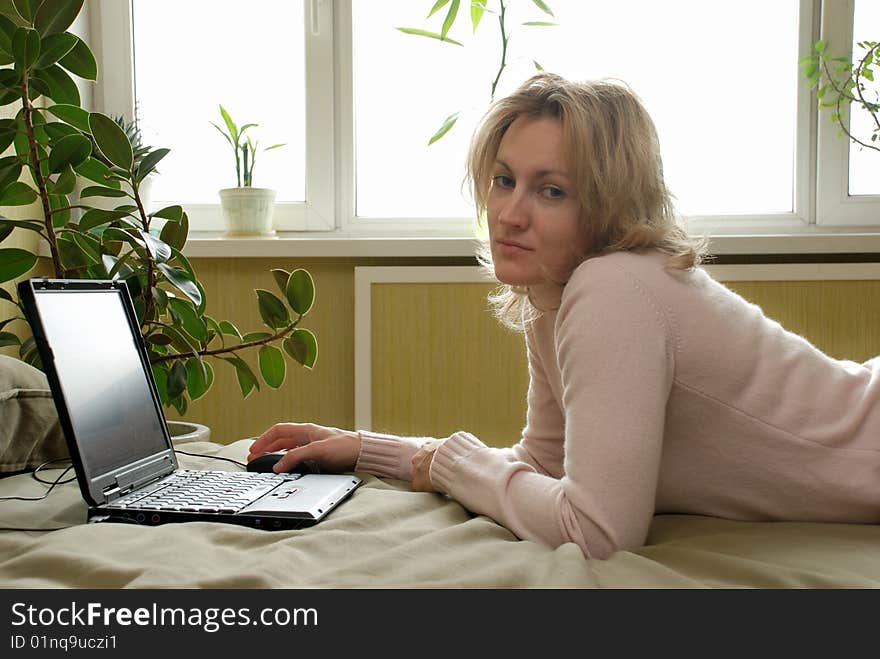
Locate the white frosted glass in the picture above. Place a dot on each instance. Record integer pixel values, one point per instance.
(192, 56)
(864, 164)
(720, 80)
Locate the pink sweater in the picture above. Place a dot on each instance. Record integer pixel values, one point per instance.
(662, 391)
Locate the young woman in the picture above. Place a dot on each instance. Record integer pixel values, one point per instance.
(653, 388)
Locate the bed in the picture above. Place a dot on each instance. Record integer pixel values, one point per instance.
(387, 536)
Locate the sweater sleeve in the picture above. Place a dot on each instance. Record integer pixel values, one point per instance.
(615, 354)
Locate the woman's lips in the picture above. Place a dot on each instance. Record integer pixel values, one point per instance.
(511, 246)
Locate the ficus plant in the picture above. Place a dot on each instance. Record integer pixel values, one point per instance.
(478, 9)
(64, 157)
(840, 82)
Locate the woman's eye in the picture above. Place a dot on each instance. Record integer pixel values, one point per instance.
(552, 192)
(502, 181)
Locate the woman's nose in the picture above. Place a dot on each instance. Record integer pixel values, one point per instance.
(515, 211)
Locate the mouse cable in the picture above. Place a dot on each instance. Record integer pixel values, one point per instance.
(52, 484)
(213, 457)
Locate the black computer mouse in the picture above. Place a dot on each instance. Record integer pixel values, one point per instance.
(264, 463)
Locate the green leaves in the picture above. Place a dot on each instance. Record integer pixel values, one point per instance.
(111, 140)
(272, 366)
(445, 127)
(428, 33)
(272, 310)
(15, 262)
(303, 347)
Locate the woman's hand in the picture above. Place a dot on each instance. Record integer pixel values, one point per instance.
(331, 448)
(421, 465)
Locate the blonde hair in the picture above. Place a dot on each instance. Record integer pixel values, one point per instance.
(614, 155)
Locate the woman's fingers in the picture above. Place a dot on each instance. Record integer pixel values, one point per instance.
(283, 436)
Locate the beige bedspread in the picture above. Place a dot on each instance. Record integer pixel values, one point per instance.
(386, 536)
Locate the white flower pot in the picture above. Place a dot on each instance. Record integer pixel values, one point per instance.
(248, 211)
(185, 431)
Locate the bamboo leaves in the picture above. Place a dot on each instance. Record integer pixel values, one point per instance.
(478, 9)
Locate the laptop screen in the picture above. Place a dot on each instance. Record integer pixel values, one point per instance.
(113, 413)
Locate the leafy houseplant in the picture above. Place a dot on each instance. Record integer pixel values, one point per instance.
(246, 209)
(56, 144)
(478, 10)
(840, 83)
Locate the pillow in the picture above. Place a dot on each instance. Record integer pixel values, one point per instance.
(30, 433)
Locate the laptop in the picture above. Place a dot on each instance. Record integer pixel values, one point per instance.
(94, 357)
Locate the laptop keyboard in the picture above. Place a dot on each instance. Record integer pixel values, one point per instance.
(204, 491)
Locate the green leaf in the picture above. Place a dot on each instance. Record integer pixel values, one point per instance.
(281, 278)
(10, 170)
(61, 87)
(437, 7)
(15, 262)
(71, 150)
(448, 123)
(182, 282)
(246, 378)
(302, 346)
(111, 140)
(272, 366)
(543, 7)
(148, 162)
(176, 380)
(478, 7)
(27, 9)
(538, 67)
(427, 33)
(7, 31)
(183, 312)
(300, 291)
(160, 376)
(230, 125)
(272, 310)
(228, 328)
(255, 336)
(53, 48)
(450, 17)
(158, 249)
(175, 233)
(94, 170)
(81, 62)
(55, 16)
(95, 217)
(540, 24)
(17, 194)
(102, 191)
(90, 246)
(200, 377)
(66, 182)
(9, 339)
(173, 213)
(25, 47)
(71, 114)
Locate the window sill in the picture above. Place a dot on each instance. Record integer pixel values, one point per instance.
(340, 244)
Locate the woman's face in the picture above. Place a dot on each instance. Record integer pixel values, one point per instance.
(532, 207)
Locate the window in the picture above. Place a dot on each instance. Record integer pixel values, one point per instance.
(848, 176)
(744, 150)
(705, 103)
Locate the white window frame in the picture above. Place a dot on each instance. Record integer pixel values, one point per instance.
(111, 27)
(824, 218)
(834, 205)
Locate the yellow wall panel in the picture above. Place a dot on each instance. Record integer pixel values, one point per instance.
(441, 363)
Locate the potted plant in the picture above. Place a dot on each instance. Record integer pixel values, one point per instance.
(246, 210)
(57, 143)
(840, 82)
